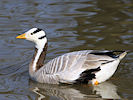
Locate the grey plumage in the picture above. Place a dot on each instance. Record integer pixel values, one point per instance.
(68, 67)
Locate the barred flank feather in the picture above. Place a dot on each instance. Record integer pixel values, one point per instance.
(75, 67)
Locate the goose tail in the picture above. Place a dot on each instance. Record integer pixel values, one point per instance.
(122, 55)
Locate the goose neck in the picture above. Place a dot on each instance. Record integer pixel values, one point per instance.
(38, 58)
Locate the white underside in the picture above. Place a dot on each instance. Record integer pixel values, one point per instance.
(107, 70)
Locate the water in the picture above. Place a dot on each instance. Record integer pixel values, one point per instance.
(70, 25)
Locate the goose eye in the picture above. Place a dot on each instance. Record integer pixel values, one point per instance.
(31, 33)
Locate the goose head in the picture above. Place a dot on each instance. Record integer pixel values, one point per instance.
(36, 35)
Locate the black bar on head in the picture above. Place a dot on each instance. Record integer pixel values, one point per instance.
(38, 30)
(42, 37)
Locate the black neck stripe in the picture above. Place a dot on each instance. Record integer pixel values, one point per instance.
(42, 37)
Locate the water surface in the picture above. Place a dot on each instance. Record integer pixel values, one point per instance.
(70, 25)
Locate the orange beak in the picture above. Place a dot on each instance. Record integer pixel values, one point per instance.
(22, 36)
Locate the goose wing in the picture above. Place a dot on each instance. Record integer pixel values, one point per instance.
(87, 59)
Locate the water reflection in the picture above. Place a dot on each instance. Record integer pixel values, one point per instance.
(105, 90)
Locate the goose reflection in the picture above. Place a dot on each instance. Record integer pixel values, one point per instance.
(105, 90)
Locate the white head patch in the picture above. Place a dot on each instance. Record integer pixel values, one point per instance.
(35, 34)
(38, 36)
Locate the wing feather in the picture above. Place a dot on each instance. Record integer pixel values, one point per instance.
(67, 61)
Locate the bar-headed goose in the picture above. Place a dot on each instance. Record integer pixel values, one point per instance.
(75, 67)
